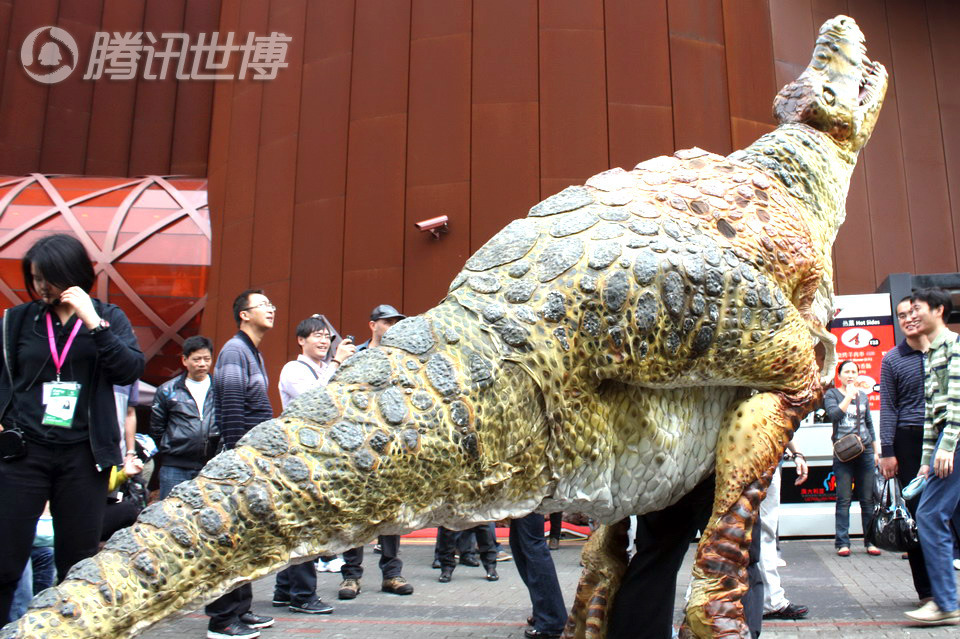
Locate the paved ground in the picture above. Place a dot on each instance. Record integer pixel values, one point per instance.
(859, 596)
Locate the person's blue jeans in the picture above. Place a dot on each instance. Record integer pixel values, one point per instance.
(39, 574)
(539, 575)
(938, 503)
(23, 594)
(44, 568)
(170, 476)
(856, 474)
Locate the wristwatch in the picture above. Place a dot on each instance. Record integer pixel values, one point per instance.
(99, 328)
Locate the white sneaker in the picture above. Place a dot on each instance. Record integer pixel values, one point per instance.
(323, 566)
(930, 614)
(335, 564)
(956, 564)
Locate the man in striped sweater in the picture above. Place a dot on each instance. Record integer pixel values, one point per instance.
(241, 402)
(941, 496)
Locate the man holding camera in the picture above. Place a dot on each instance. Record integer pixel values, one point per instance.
(296, 586)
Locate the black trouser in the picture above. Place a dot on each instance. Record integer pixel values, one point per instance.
(228, 608)
(486, 545)
(297, 583)
(556, 524)
(643, 606)
(908, 449)
(67, 476)
(390, 562)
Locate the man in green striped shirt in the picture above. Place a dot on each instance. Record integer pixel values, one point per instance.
(941, 495)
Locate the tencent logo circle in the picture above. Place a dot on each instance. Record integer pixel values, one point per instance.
(54, 64)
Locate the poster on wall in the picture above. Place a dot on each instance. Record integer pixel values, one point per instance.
(863, 326)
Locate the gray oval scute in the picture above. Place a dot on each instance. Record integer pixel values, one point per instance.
(513, 242)
(569, 199)
(412, 334)
(557, 257)
(392, 405)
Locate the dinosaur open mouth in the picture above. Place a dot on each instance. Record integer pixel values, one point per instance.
(869, 82)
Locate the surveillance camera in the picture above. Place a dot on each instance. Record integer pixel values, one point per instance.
(435, 225)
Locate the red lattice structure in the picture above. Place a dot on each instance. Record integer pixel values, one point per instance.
(149, 239)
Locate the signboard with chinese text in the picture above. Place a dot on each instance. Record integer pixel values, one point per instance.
(863, 326)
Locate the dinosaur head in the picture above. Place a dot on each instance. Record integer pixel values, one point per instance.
(841, 90)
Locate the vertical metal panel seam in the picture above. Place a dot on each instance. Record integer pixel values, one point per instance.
(936, 89)
(469, 220)
(406, 153)
(726, 70)
(46, 109)
(176, 92)
(540, 195)
(3, 67)
(93, 93)
(293, 218)
(133, 107)
(906, 182)
(346, 163)
(673, 111)
(606, 83)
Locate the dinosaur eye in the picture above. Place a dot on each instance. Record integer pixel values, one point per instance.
(829, 96)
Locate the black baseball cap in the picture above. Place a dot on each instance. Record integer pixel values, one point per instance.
(385, 311)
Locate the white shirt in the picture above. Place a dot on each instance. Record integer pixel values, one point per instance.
(199, 391)
(295, 378)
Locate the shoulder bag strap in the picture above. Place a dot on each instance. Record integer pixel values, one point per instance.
(309, 367)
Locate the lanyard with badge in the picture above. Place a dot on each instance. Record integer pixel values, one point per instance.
(60, 398)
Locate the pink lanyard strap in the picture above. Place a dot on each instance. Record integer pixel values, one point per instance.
(58, 359)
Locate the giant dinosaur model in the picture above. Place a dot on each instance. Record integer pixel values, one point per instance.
(603, 355)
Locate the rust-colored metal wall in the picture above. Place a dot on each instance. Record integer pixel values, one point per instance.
(392, 111)
(395, 111)
(104, 127)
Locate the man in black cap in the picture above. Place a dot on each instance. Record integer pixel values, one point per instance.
(381, 318)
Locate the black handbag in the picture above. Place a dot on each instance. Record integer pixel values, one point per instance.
(892, 528)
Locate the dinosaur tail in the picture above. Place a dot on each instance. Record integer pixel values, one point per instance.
(250, 512)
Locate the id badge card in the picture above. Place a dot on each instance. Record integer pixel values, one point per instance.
(60, 399)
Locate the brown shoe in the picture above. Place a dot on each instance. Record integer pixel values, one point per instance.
(397, 585)
(553, 543)
(349, 589)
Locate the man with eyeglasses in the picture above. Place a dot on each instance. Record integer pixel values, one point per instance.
(901, 420)
(296, 586)
(381, 318)
(241, 402)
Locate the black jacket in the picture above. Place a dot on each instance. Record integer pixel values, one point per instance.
(184, 440)
(119, 361)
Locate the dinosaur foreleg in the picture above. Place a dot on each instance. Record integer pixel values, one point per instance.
(751, 442)
(604, 562)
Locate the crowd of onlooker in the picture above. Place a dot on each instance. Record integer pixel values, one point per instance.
(71, 450)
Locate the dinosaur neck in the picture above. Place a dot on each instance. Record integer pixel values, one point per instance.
(812, 167)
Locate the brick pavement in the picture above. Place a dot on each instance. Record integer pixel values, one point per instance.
(858, 596)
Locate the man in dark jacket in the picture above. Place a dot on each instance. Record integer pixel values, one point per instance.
(182, 417)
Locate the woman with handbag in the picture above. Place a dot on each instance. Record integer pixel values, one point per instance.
(856, 453)
(63, 351)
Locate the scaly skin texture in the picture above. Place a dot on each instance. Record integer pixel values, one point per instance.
(604, 354)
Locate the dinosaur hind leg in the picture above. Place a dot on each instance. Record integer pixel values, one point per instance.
(604, 562)
(752, 439)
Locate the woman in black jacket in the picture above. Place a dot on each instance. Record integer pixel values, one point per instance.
(848, 407)
(63, 352)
